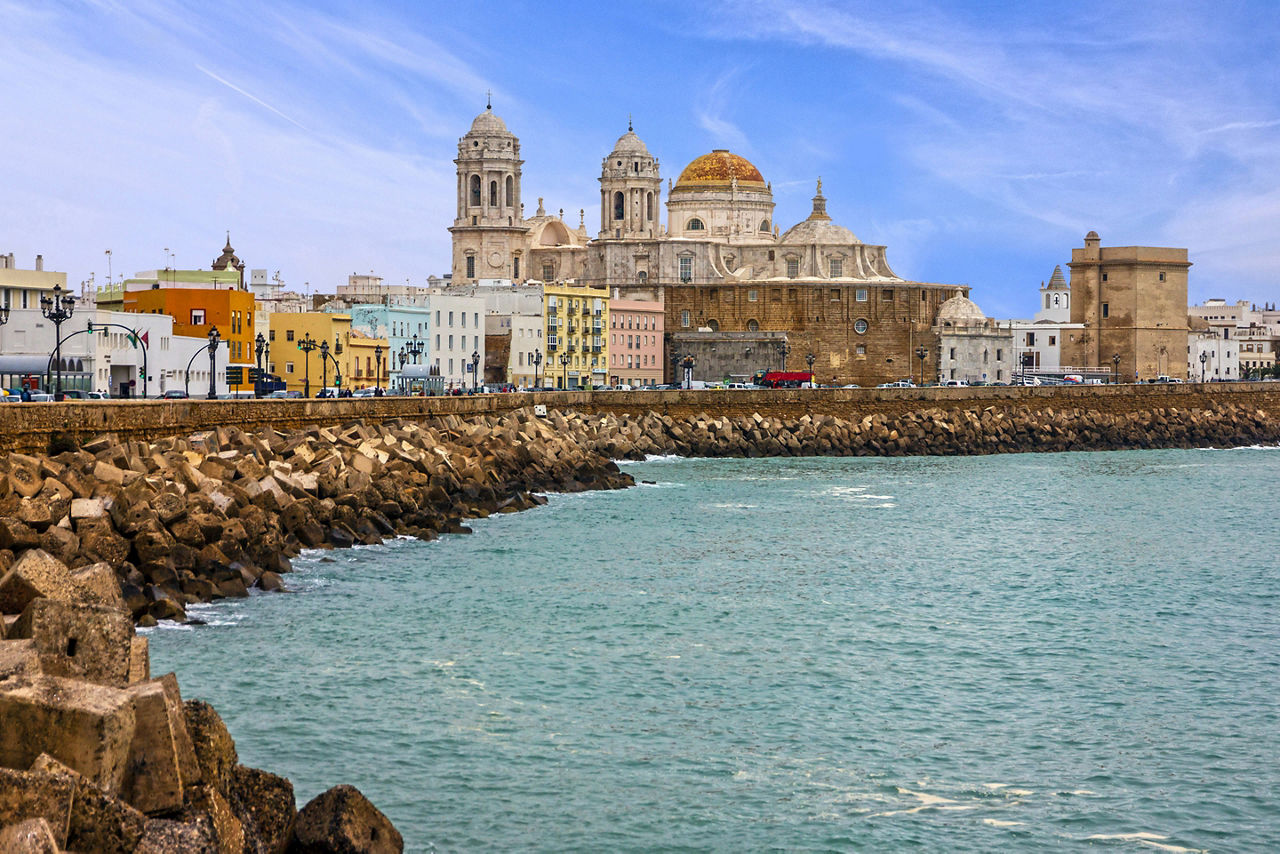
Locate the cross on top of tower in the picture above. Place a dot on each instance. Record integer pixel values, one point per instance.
(488, 99)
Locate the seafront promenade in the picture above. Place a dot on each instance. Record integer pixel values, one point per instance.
(116, 513)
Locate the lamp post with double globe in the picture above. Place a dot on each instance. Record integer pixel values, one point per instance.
(307, 345)
(921, 353)
(377, 368)
(1204, 357)
(537, 363)
(1115, 367)
(809, 360)
(475, 369)
(59, 309)
(259, 347)
(564, 368)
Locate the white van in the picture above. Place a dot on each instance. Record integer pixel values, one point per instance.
(956, 383)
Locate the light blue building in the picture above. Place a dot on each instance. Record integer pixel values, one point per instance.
(406, 328)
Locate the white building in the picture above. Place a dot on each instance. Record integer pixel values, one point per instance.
(457, 338)
(1037, 343)
(28, 339)
(514, 311)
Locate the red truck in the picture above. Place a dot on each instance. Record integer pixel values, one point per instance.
(783, 379)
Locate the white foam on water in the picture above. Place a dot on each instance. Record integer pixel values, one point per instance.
(655, 458)
(732, 506)
(1166, 847)
(1127, 837)
(995, 822)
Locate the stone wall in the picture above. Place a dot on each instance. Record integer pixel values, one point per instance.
(29, 427)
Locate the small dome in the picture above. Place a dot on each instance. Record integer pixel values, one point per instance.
(488, 122)
(629, 144)
(719, 169)
(960, 310)
(819, 228)
(1093, 235)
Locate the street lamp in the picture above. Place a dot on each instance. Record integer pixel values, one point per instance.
(259, 345)
(564, 367)
(415, 347)
(59, 309)
(784, 350)
(810, 359)
(307, 345)
(1204, 357)
(687, 363)
(377, 376)
(537, 363)
(214, 338)
(475, 368)
(921, 353)
(1115, 366)
(324, 366)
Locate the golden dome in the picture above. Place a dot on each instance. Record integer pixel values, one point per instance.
(718, 169)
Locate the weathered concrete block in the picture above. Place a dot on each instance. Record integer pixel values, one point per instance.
(98, 585)
(36, 574)
(153, 781)
(85, 726)
(78, 641)
(165, 836)
(18, 658)
(88, 508)
(228, 832)
(215, 750)
(33, 836)
(342, 819)
(139, 660)
(266, 807)
(99, 822)
(188, 764)
(35, 794)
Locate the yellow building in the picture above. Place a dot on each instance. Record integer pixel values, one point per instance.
(367, 361)
(577, 324)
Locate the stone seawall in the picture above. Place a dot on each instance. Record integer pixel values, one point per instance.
(29, 428)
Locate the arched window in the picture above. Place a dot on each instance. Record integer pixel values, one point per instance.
(619, 205)
(714, 325)
(511, 192)
(753, 325)
(648, 207)
(475, 189)
(493, 194)
(764, 225)
(643, 276)
(695, 224)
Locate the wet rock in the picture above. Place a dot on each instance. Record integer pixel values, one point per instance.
(33, 836)
(343, 820)
(37, 574)
(266, 807)
(78, 641)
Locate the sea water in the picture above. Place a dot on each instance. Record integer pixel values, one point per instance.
(1022, 652)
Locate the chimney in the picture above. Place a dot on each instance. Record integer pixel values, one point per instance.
(39, 263)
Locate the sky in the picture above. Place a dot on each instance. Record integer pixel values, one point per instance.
(978, 140)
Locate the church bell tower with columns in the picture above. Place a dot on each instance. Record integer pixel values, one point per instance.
(489, 231)
(630, 191)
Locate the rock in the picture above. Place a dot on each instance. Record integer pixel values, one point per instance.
(100, 542)
(84, 726)
(37, 574)
(78, 641)
(97, 584)
(99, 822)
(266, 807)
(343, 820)
(154, 781)
(215, 751)
(33, 836)
(139, 660)
(36, 514)
(28, 795)
(18, 658)
(270, 581)
(88, 508)
(165, 836)
(228, 832)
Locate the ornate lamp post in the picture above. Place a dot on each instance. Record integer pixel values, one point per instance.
(415, 347)
(1204, 357)
(784, 350)
(1115, 367)
(921, 353)
(259, 345)
(809, 360)
(324, 366)
(537, 363)
(59, 309)
(214, 338)
(377, 376)
(475, 368)
(564, 367)
(307, 345)
(687, 364)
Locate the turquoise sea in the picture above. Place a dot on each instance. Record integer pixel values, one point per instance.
(1005, 653)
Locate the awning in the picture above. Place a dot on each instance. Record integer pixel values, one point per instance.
(24, 364)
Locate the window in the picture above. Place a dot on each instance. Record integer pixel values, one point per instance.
(515, 266)
(860, 326)
(860, 295)
(770, 254)
(775, 295)
(1053, 340)
(837, 268)
(764, 225)
(860, 350)
(1106, 310)
(1162, 277)
(1104, 277)
(493, 194)
(1031, 339)
(753, 325)
(648, 206)
(450, 342)
(475, 320)
(793, 268)
(553, 302)
(288, 367)
(451, 319)
(999, 355)
(197, 317)
(619, 207)
(886, 295)
(464, 320)
(288, 335)
(684, 318)
(695, 224)
(471, 266)
(752, 296)
(548, 272)
(475, 190)
(437, 340)
(511, 192)
(951, 353)
(835, 295)
(686, 269)
(791, 294)
(271, 334)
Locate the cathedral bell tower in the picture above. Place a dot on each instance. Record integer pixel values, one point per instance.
(630, 191)
(489, 231)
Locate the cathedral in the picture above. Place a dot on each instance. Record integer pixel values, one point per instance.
(739, 293)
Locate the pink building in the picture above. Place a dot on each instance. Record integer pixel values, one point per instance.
(635, 342)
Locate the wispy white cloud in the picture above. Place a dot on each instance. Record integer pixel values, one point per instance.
(712, 106)
(251, 97)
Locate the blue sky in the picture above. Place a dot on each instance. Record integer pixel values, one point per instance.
(978, 140)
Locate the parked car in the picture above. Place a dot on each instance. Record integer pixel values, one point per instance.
(97, 395)
(1164, 379)
(174, 394)
(73, 394)
(956, 383)
(363, 392)
(41, 397)
(325, 392)
(898, 384)
(280, 394)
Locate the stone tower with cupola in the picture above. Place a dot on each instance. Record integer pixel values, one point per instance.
(489, 232)
(630, 191)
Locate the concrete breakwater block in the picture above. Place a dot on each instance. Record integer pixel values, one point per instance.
(342, 819)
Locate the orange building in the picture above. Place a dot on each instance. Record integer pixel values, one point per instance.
(195, 310)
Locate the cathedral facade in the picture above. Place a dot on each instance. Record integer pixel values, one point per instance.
(729, 278)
